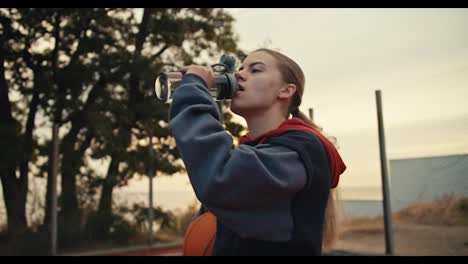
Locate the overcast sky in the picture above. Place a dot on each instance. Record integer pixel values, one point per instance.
(418, 58)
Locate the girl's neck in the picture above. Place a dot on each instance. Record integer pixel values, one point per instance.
(259, 124)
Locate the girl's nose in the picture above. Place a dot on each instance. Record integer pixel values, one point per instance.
(239, 76)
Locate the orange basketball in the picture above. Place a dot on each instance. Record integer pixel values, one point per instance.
(200, 236)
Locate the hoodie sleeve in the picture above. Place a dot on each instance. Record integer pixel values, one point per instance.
(249, 189)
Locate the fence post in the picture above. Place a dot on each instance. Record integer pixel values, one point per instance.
(384, 173)
(311, 114)
(53, 199)
(150, 175)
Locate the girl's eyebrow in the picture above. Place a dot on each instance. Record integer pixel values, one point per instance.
(252, 64)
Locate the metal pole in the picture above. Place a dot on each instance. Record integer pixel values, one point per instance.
(53, 207)
(311, 114)
(150, 175)
(384, 172)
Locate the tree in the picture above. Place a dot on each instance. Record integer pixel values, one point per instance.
(91, 71)
(18, 63)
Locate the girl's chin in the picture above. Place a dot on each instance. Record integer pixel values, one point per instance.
(236, 109)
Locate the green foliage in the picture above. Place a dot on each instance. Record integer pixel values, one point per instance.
(124, 223)
(27, 244)
(104, 226)
(165, 219)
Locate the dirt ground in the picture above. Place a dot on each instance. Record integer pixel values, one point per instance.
(408, 240)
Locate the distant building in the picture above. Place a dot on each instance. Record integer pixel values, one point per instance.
(411, 181)
(426, 179)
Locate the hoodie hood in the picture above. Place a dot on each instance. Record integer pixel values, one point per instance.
(337, 166)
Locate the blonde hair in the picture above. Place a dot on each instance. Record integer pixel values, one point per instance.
(292, 73)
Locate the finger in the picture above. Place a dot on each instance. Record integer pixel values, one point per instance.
(184, 69)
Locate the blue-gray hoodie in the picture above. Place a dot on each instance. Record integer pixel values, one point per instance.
(269, 198)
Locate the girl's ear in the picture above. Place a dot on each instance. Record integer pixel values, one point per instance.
(287, 91)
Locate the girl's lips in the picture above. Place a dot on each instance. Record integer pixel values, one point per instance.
(239, 91)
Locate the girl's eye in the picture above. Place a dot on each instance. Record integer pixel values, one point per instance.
(255, 70)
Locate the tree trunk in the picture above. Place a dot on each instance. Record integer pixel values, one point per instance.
(105, 201)
(70, 215)
(49, 190)
(14, 193)
(71, 162)
(78, 123)
(14, 189)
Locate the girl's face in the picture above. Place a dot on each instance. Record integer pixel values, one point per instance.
(260, 83)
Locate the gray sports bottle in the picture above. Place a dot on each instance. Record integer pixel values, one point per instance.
(225, 82)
